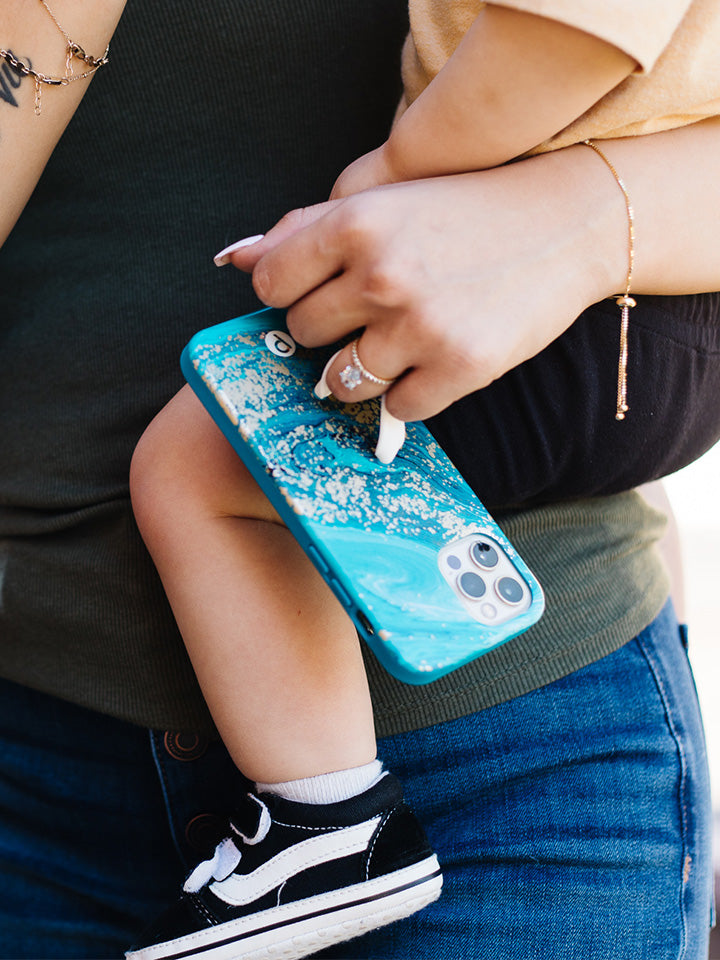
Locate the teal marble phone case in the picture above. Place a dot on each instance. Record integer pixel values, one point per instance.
(426, 574)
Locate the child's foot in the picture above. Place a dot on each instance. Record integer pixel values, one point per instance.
(296, 877)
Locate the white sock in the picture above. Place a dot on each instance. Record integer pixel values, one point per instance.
(327, 787)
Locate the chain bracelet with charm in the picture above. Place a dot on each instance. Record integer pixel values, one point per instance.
(73, 51)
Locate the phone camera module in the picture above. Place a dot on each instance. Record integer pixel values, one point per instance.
(484, 555)
(485, 580)
(472, 585)
(510, 590)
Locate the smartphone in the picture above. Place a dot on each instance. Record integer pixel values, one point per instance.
(425, 573)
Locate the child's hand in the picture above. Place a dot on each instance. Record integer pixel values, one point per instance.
(370, 170)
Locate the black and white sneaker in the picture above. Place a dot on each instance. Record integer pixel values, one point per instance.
(293, 878)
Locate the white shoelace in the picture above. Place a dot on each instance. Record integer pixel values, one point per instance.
(227, 855)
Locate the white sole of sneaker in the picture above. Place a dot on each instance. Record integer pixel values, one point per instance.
(296, 930)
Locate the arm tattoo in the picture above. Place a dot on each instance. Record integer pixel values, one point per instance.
(10, 79)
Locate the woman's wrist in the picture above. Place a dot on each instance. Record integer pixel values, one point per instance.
(672, 180)
(595, 217)
(574, 215)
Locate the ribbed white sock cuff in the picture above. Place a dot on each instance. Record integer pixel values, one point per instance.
(327, 787)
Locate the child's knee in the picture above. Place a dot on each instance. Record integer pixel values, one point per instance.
(168, 465)
(153, 476)
(184, 469)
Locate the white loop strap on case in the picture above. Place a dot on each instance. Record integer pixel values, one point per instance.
(391, 435)
(321, 389)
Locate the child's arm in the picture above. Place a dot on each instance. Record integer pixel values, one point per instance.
(515, 80)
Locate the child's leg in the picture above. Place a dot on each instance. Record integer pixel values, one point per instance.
(275, 654)
(325, 849)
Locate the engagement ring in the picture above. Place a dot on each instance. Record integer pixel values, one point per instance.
(352, 375)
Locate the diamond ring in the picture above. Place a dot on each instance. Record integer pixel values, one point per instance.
(353, 374)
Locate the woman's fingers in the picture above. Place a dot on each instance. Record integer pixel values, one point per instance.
(290, 249)
(416, 385)
(330, 263)
(422, 394)
(308, 249)
(358, 371)
(329, 312)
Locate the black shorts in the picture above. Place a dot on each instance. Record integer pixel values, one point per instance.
(546, 430)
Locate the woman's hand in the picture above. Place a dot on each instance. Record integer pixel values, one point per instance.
(449, 282)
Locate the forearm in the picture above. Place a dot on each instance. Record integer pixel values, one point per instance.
(457, 279)
(26, 138)
(673, 180)
(514, 81)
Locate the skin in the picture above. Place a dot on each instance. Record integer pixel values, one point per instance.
(514, 81)
(243, 594)
(456, 280)
(28, 31)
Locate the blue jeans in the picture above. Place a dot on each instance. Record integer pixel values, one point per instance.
(572, 822)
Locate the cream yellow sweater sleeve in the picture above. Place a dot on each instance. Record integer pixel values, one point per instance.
(676, 44)
(640, 28)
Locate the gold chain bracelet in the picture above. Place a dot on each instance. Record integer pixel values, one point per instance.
(73, 52)
(624, 301)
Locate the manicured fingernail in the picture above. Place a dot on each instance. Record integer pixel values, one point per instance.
(321, 389)
(223, 258)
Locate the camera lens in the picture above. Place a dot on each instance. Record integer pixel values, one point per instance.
(472, 585)
(509, 590)
(483, 554)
